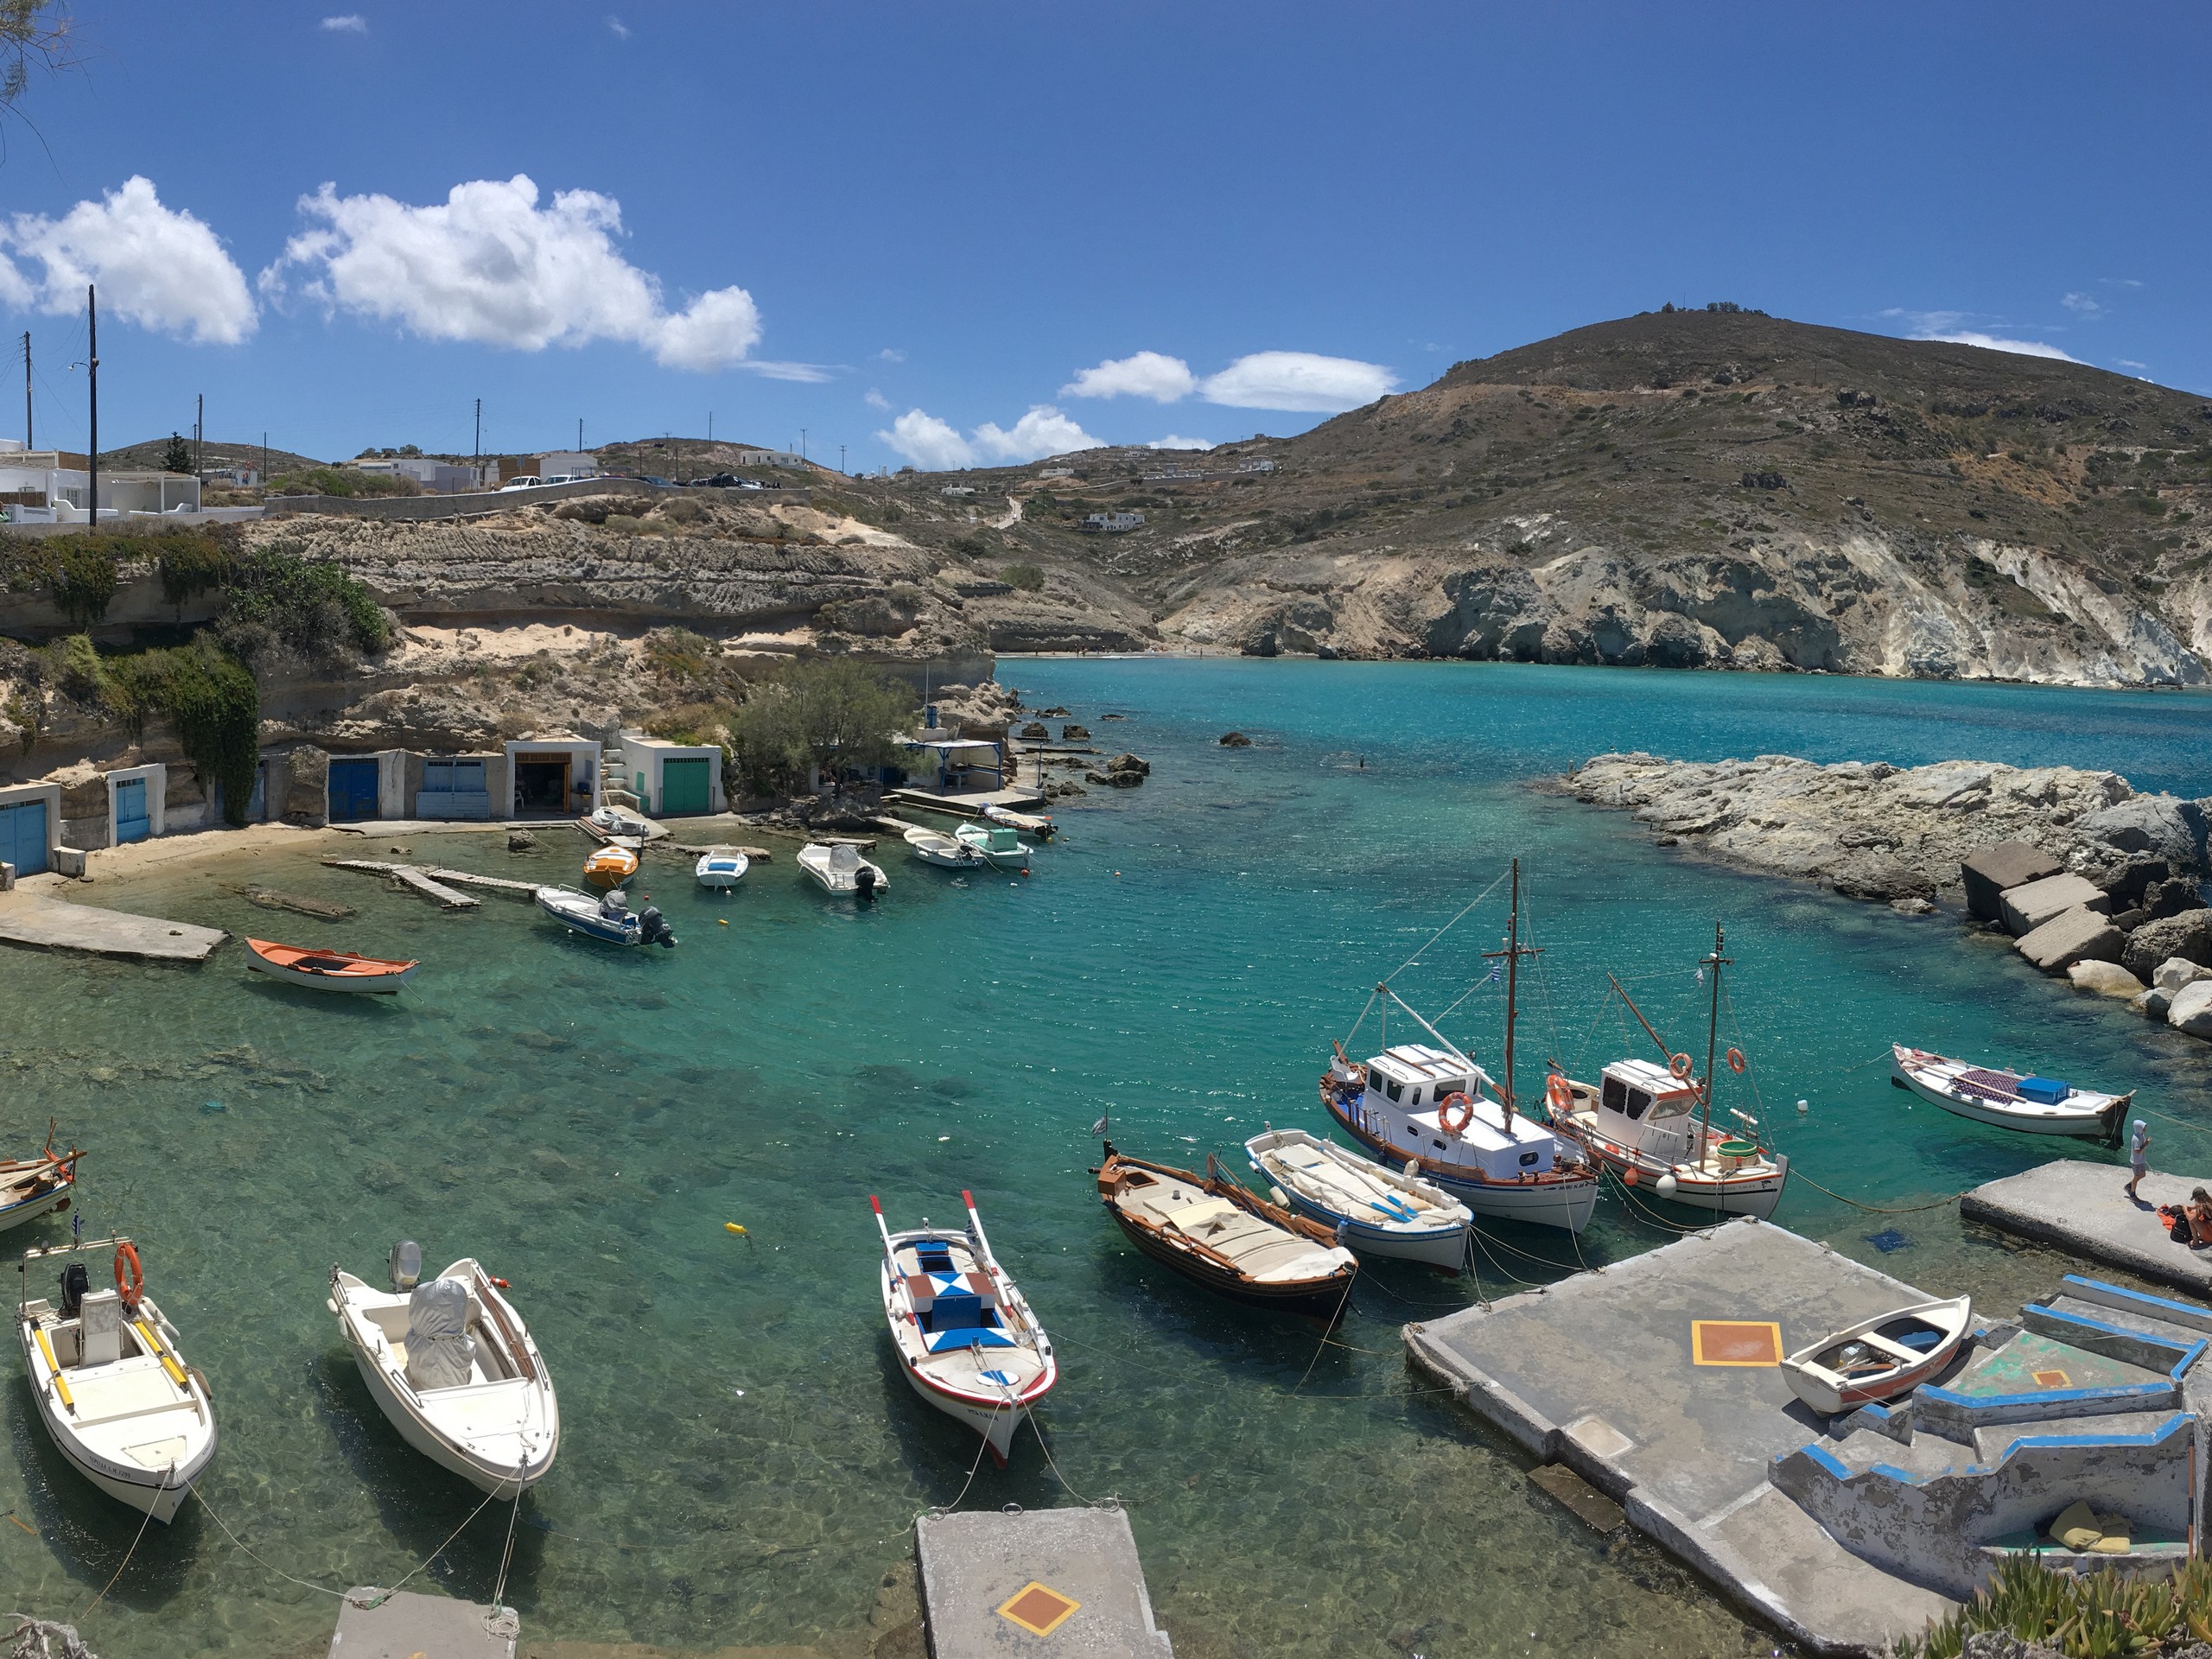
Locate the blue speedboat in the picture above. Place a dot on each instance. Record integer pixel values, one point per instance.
(611, 920)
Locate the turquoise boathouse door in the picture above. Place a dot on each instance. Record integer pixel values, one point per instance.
(131, 820)
(683, 790)
(23, 836)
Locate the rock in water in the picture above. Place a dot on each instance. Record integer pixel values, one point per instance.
(2077, 935)
(2178, 971)
(2029, 906)
(521, 840)
(1126, 762)
(2191, 1009)
(1234, 740)
(2105, 979)
(2157, 825)
(1988, 873)
(2187, 935)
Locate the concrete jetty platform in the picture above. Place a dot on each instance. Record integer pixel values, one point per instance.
(28, 919)
(405, 1625)
(2083, 1209)
(1657, 1381)
(409, 875)
(1036, 1581)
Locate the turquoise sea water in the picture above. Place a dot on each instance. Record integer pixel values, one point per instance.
(741, 1459)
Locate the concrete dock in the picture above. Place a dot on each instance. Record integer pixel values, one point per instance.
(1657, 1381)
(1036, 1581)
(407, 1626)
(2083, 1209)
(28, 919)
(409, 875)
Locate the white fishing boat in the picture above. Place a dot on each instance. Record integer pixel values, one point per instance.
(609, 920)
(721, 867)
(1652, 1124)
(999, 843)
(840, 868)
(31, 1187)
(968, 1343)
(2011, 1100)
(451, 1364)
(943, 850)
(1375, 1210)
(113, 1390)
(1878, 1359)
(1434, 1108)
(1035, 824)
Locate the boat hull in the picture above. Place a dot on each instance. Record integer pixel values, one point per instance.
(347, 985)
(1324, 1297)
(586, 920)
(41, 1204)
(156, 1492)
(1442, 1247)
(1831, 1395)
(1757, 1195)
(996, 1426)
(2105, 1124)
(1563, 1203)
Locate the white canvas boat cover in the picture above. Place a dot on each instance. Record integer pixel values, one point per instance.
(844, 859)
(437, 1335)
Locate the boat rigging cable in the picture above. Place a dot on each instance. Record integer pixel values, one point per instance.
(1416, 955)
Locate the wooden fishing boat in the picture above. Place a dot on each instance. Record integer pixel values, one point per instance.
(329, 970)
(1209, 1229)
(610, 867)
(1375, 1210)
(968, 1342)
(1879, 1358)
(721, 867)
(942, 850)
(2011, 1100)
(31, 1187)
(122, 1406)
(840, 868)
(1652, 1124)
(999, 843)
(451, 1364)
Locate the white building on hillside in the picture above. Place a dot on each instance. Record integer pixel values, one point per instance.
(1112, 524)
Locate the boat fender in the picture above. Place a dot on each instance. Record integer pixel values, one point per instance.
(200, 1378)
(1446, 1122)
(1275, 1195)
(1680, 1065)
(501, 1283)
(1736, 1059)
(1413, 1168)
(132, 1286)
(1667, 1183)
(1558, 1095)
(1629, 1176)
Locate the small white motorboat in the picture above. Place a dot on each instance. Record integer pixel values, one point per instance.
(1878, 1359)
(116, 1394)
(614, 824)
(969, 1344)
(1376, 1210)
(999, 843)
(610, 919)
(2011, 1100)
(943, 850)
(453, 1366)
(721, 867)
(1035, 824)
(840, 868)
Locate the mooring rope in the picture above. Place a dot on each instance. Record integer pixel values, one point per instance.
(143, 1525)
(1885, 1209)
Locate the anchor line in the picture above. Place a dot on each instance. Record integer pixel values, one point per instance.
(135, 1542)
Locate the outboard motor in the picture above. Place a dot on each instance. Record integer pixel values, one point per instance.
(406, 1264)
(75, 1281)
(651, 926)
(864, 881)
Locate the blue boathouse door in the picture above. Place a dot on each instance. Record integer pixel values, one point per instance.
(23, 836)
(353, 791)
(131, 820)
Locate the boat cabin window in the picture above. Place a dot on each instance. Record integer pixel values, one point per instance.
(1449, 1086)
(1615, 1095)
(1527, 1159)
(1672, 1108)
(1416, 1101)
(1391, 1086)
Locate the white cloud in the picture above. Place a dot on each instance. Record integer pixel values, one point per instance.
(1298, 381)
(617, 27)
(928, 442)
(937, 446)
(891, 354)
(1148, 374)
(2130, 363)
(2085, 305)
(352, 23)
(1997, 343)
(156, 266)
(1172, 442)
(489, 264)
(812, 374)
(875, 399)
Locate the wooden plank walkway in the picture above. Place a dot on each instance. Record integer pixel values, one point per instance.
(411, 876)
(27, 919)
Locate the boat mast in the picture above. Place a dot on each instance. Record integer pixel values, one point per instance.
(1513, 952)
(1715, 961)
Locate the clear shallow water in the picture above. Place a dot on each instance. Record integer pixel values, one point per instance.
(586, 1120)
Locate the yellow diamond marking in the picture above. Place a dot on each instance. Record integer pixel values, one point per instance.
(1037, 1610)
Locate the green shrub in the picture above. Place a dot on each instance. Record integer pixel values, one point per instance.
(212, 703)
(1028, 577)
(2095, 1615)
(280, 603)
(81, 577)
(831, 714)
(346, 481)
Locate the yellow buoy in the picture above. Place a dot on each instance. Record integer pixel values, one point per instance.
(732, 1227)
(723, 921)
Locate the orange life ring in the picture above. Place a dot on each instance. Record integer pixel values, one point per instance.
(1558, 1094)
(1735, 1060)
(1680, 1065)
(1444, 1120)
(132, 1287)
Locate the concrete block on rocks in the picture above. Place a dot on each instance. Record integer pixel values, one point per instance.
(2191, 1009)
(2028, 907)
(2151, 1004)
(2105, 978)
(2079, 934)
(2176, 971)
(1994, 870)
(2187, 935)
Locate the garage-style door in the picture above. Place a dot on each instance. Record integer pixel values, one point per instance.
(353, 791)
(131, 822)
(23, 836)
(684, 788)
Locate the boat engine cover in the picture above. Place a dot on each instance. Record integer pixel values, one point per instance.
(75, 1281)
(437, 1335)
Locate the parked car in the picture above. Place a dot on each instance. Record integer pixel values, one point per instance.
(527, 481)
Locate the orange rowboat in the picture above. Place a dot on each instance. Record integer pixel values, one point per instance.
(610, 867)
(327, 970)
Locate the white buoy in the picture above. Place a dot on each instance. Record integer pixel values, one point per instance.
(1804, 1106)
(1667, 1186)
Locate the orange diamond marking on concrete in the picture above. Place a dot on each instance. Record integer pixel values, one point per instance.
(1735, 1342)
(1037, 1610)
(2052, 1379)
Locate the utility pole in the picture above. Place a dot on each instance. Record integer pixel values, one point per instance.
(264, 460)
(802, 443)
(26, 388)
(710, 426)
(199, 436)
(579, 434)
(477, 455)
(92, 380)
(841, 457)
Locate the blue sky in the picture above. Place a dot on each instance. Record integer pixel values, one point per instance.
(982, 232)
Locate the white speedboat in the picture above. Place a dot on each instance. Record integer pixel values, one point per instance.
(840, 868)
(451, 1364)
(1375, 1210)
(2011, 1100)
(969, 1344)
(1878, 1359)
(115, 1393)
(610, 919)
(720, 868)
(943, 850)
(1000, 843)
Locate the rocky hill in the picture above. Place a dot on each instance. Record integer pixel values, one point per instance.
(1708, 488)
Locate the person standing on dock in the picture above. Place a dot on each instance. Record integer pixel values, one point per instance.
(2138, 1157)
